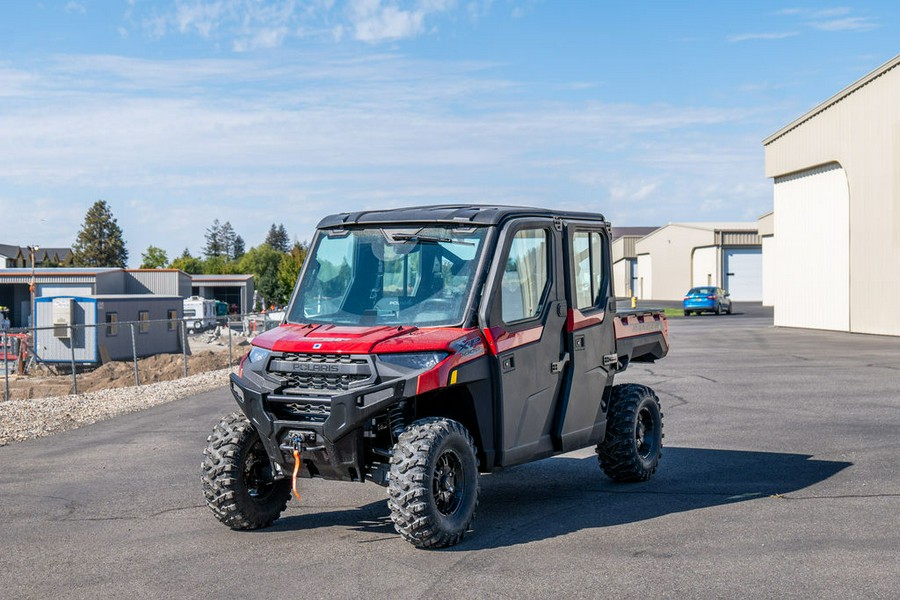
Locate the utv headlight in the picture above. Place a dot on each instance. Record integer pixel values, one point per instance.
(414, 360)
(257, 355)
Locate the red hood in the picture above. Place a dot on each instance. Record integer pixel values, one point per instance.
(336, 339)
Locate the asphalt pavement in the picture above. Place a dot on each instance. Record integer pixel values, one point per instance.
(779, 479)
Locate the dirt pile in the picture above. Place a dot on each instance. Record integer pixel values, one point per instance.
(162, 367)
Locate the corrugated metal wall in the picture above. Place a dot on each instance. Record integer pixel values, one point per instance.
(50, 348)
(738, 238)
(159, 337)
(860, 130)
(154, 281)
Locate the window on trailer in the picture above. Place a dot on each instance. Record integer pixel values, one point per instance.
(144, 318)
(112, 324)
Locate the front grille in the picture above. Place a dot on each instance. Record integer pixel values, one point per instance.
(304, 374)
(309, 412)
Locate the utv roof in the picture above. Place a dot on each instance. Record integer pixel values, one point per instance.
(475, 214)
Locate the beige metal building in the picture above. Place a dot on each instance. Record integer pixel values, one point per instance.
(766, 226)
(679, 256)
(837, 210)
(624, 258)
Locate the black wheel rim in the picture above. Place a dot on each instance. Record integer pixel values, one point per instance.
(646, 433)
(258, 475)
(448, 484)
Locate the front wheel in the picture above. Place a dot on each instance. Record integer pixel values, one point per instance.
(434, 483)
(237, 478)
(633, 444)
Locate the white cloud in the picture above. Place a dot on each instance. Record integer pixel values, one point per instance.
(829, 19)
(250, 24)
(846, 24)
(75, 7)
(743, 37)
(372, 21)
(216, 137)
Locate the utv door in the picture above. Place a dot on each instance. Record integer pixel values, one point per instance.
(590, 337)
(525, 315)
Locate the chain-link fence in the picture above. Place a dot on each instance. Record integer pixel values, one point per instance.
(68, 359)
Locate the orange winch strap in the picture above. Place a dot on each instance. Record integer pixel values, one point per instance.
(296, 470)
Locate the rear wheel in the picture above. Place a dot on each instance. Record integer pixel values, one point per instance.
(434, 483)
(633, 444)
(718, 309)
(237, 477)
(687, 313)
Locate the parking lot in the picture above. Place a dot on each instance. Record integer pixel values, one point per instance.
(779, 479)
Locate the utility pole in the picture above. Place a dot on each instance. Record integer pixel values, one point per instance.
(33, 317)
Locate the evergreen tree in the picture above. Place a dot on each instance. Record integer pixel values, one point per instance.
(237, 252)
(187, 263)
(227, 237)
(154, 258)
(100, 243)
(277, 238)
(214, 245)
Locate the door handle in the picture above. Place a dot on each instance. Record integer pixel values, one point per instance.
(557, 367)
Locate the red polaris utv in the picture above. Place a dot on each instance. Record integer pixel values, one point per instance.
(423, 346)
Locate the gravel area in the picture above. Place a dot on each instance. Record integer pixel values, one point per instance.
(38, 417)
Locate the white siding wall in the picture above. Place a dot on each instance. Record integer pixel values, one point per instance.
(705, 267)
(769, 263)
(645, 281)
(812, 212)
(621, 278)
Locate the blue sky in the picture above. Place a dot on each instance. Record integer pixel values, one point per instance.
(251, 111)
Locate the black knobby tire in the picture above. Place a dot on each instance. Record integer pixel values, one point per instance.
(237, 477)
(633, 444)
(433, 488)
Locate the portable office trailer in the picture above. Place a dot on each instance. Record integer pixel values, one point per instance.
(200, 313)
(101, 333)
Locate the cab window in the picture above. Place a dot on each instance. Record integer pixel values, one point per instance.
(525, 276)
(587, 252)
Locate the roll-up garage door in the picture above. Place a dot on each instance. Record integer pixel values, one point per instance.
(743, 274)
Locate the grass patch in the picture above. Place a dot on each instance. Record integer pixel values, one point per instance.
(674, 312)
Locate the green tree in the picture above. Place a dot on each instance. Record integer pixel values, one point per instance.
(154, 258)
(187, 263)
(214, 246)
(227, 239)
(100, 243)
(263, 261)
(278, 238)
(289, 268)
(238, 250)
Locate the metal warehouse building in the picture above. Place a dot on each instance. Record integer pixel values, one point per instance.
(234, 290)
(837, 210)
(14, 283)
(679, 256)
(624, 258)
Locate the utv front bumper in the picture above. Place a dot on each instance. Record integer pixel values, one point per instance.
(330, 428)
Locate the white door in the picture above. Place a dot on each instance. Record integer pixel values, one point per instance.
(743, 274)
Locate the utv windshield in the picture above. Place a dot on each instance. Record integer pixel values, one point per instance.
(418, 276)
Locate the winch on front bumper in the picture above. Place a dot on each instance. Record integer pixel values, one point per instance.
(322, 403)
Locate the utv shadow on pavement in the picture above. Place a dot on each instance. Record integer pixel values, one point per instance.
(561, 495)
(557, 496)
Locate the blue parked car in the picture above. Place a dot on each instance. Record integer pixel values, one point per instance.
(707, 299)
